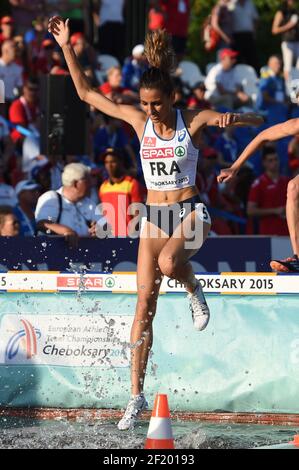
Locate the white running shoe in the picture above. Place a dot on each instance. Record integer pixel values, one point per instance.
(135, 406)
(200, 310)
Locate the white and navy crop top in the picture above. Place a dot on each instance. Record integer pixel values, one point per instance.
(168, 164)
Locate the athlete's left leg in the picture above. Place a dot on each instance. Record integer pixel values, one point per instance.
(185, 242)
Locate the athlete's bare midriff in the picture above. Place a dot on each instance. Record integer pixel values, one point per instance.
(170, 197)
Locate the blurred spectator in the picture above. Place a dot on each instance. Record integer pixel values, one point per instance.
(41, 174)
(177, 24)
(206, 182)
(267, 197)
(222, 22)
(222, 82)
(111, 23)
(293, 154)
(9, 225)
(27, 192)
(118, 192)
(272, 93)
(10, 72)
(34, 38)
(46, 59)
(227, 148)
(7, 192)
(96, 179)
(6, 144)
(69, 212)
(112, 134)
(197, 99)
(245, 19)
(133, 68)
(24, 12)
(7, 28)
(206, 178)
(113, 90)
(74, 10)
(24, 111)
(179, 95)
(84, 52)
(285, 22)
(21, 55)
(156, 15)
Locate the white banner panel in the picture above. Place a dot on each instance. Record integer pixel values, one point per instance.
(65, 340)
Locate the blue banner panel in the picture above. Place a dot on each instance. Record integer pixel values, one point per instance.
(73, 351)
(239, 254)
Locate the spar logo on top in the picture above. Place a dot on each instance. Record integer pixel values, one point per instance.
(65, 340)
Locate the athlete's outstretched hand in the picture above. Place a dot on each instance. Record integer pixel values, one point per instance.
(227, 119)
(60, 30)
(226, 175)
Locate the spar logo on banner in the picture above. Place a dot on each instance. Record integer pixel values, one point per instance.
(76, 282)
(23, 342)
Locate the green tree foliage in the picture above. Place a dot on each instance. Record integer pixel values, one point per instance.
(267, 43)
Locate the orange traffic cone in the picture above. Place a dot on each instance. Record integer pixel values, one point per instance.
(295, 442)
(159, 434)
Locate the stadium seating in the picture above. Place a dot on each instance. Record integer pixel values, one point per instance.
(190, 73)
(105, 61)
(249, 80)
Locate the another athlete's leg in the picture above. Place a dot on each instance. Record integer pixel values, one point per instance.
(292, 211)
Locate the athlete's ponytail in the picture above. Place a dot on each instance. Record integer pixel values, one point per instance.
(161, 58)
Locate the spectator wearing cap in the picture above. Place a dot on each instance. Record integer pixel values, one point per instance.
(272, 96)
(245, 20)
(24, 12)
(111, 23)
(83, 50)
(197, 99)
(133, 68)
(46, 59)
(222, 82)
(7, 28)
(69, 212)
(25, 110)
(10, 72)
(268, 195)
(113, 89)
(9, 224)
(118, 192)
(27, 193)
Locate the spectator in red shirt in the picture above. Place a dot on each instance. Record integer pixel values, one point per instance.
(7, 28)
(156, 15)
(113, 90)
(118, 192)
(177, 23)
(24, 111)
(268, 196)
(47, 58)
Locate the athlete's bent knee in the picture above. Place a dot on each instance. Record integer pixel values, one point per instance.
(293, 190)
(168, 265)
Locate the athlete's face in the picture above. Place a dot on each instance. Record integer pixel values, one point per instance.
(156, 104)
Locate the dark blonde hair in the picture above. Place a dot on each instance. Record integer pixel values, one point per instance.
(161, 58)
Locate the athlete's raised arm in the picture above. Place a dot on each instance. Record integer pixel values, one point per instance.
(130, 114)
(285, 129)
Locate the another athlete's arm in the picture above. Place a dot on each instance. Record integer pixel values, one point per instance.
(213, 118)
(128, 113)
(279, 131)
